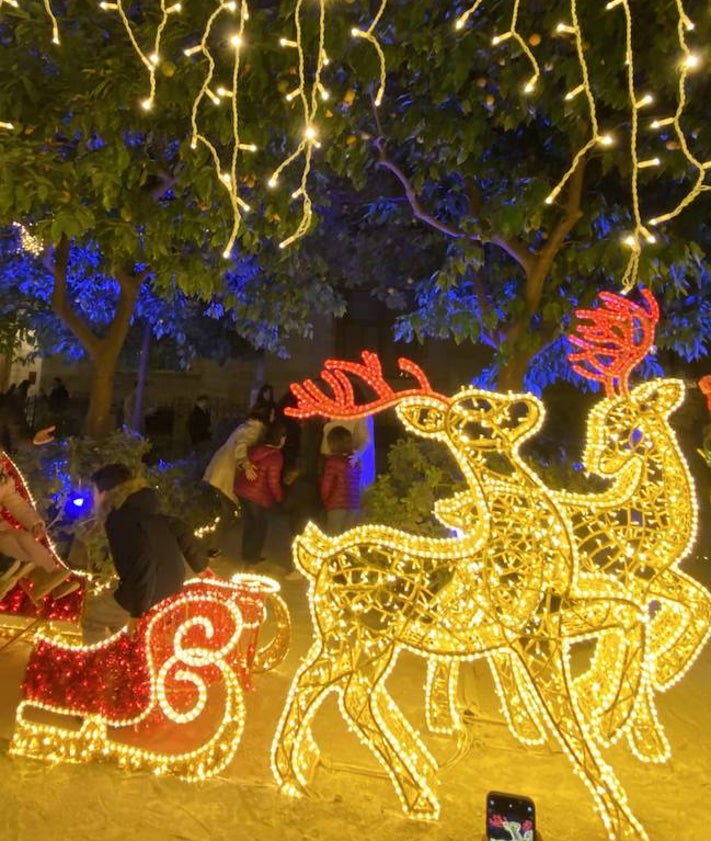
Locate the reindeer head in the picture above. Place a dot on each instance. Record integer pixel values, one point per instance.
(622, 430)
(483, 426)
(613, 339)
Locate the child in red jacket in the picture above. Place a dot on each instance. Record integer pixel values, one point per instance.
(259, 494)
(340, 483)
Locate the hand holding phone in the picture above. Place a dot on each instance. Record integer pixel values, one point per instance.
(510, 817)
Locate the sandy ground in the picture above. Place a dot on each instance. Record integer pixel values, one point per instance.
(350, 798)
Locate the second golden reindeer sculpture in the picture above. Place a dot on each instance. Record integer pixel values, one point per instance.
(531, 572)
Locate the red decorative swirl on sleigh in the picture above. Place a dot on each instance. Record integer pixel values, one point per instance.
(177, 683)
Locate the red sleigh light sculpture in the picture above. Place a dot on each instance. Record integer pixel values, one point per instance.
(179, 679)
(16, 607)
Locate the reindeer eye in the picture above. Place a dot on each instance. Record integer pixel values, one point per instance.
(630, 439)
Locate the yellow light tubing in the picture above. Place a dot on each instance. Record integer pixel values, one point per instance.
(532, 572)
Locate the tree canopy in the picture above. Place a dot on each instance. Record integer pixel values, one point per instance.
(480, 205)
(120, 196)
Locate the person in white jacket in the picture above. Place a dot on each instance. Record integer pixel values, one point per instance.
(232, 455)
(25, 545)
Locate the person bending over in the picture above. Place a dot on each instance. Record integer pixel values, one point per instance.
(149, 551)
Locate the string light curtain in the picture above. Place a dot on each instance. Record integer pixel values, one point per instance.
(308, 38)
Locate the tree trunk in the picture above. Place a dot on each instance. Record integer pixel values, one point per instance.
(103, 351)
(511, 373)
(136, 420)
(99, 421)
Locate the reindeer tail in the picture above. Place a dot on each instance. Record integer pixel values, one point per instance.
(310, 549)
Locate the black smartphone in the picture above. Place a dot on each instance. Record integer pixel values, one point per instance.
(510, 816)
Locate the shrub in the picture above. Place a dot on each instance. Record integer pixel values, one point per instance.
(419, 473)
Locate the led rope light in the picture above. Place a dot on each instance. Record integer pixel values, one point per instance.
(204, 635)
(534, 572)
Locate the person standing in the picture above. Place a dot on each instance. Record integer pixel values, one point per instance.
(363, 447)
(15, 432)
(340, 482)
(232, 455)
(58, 397)
(259, 494)
(149, 550)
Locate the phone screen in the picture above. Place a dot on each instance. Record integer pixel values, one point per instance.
(510, 817)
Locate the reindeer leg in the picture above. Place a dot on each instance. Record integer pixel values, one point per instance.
(384, 730)
(441, 711)
(551, 690)
(294, 751)
(681, 629)
(646, 738)
(609, 691)
(517, 710)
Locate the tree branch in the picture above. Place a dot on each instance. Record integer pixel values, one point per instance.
(544, 261)
(168, 180)
(60, 304)
(129, 285)
(517, 251)
(482, 306)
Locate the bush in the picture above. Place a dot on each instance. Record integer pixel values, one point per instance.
(419, 473)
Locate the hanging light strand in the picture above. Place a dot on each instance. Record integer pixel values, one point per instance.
(310, 103)
(575, 30)
(367, 35)
(515, 35)
(688, 63)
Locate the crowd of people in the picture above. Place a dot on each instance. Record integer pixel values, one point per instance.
(312, 470)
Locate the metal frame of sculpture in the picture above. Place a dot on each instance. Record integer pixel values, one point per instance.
(531, 573)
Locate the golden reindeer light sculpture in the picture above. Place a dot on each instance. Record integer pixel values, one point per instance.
(511, 588)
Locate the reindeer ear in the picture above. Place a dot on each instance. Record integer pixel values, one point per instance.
(663, 395)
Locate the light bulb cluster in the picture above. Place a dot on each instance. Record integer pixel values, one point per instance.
(533, 573)
(206, 635)
(689, 61)
(29, 243)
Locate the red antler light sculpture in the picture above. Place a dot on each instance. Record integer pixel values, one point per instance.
(613, 339)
